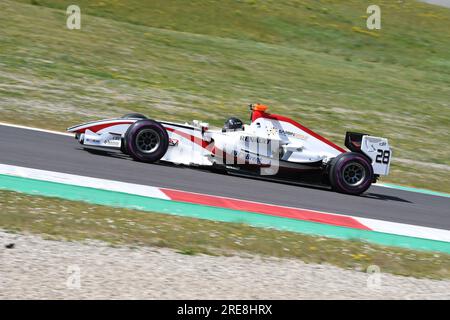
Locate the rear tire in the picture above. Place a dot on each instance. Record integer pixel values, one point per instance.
(351, 173)
(146, 140)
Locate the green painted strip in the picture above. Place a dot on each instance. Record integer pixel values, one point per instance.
(124, 200)
(418, 190)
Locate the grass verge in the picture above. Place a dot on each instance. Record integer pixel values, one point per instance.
(78, 221)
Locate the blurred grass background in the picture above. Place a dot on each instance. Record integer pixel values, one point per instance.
(205, 59)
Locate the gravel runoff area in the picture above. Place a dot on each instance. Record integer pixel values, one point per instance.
(34, 268)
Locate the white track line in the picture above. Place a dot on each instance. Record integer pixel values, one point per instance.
(36, 129)
(406, 229)
(71, 179)
(155, 192)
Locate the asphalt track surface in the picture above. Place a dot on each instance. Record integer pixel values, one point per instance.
(59, 153)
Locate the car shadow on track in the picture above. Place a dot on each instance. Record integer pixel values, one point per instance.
(105, 153)
(98, 151)
(119, 155)
(384, 197)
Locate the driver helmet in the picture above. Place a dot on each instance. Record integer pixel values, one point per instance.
(233, 124)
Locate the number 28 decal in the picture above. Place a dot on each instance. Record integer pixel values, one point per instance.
(383, 156)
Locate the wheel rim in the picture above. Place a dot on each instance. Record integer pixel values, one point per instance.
(354, 174)
(147, 141)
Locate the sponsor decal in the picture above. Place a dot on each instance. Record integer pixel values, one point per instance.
(293, 134)
(173, 142)
(250, 159)
(272, 131)
(255, 139)
(113, 140)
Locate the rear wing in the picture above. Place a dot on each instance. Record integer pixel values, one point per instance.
(377, 149)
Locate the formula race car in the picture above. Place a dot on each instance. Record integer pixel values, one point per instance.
(271, 146)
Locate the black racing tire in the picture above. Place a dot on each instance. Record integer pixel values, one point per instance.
(351, 173)
(146, 141)
(133, 116)
(123, 147)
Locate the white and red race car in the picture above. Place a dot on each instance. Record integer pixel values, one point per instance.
(271, 146)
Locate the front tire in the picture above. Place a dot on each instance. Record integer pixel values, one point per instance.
(351, 173)
(146, 141)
